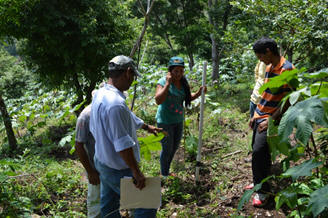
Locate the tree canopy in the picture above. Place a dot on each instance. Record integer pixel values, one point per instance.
(68, 42)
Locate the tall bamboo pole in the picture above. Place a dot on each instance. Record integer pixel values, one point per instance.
(198, 163)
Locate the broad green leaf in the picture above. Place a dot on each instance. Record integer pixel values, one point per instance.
(151, 138)
(287, 196)
(293, 98)
(279, 201)
(248, 193)
(65, 140)
(318, 75)
(150, 143)
(245, 198)
(274, 141)
(294, 83)
(319, 200)
(304, 169)
(154, 146)
(145, 153)
(301, 116)
(276, 82)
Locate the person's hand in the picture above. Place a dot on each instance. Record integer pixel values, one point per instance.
(203, 87)
(263, 126)
(251, 123)
(154, 130)
(139, 179)
(199, 93)
(169, 77)
(93, 177)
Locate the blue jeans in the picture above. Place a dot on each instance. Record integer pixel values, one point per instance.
(110, 192)
(252, 108)
(170, 145)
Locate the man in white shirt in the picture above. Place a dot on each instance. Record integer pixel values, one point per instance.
(113, 125)
(259, 74)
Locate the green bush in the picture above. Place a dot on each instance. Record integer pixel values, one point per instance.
(14, 77)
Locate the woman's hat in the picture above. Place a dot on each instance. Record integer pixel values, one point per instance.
(176, 61)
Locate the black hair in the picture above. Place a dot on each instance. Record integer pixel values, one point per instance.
(186, 88)
(261, 45)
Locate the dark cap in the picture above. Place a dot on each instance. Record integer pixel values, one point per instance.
(176, 61)
(122, 62)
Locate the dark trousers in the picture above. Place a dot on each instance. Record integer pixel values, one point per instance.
(261, 159)
(170, 145)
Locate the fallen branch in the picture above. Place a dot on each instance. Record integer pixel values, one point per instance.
(230, 154)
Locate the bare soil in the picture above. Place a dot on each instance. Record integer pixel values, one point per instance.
(225, 201)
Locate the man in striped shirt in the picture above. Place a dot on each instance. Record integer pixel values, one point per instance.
(266, 51)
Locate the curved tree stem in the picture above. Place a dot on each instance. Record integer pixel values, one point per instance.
(7, 122)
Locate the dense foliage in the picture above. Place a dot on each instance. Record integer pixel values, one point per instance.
(68, 42)
(14, 77)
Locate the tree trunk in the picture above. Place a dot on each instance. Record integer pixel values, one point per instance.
(79, 92)
(215, 59)
(215, 44)
(7, 121)
(78, 88)
(191, 61)
(215, 56)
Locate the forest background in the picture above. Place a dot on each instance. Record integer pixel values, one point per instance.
(55, 52)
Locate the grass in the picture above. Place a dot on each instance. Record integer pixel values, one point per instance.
(42, 185)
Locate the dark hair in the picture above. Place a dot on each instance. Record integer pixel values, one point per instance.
(186, 88)
(261, 45)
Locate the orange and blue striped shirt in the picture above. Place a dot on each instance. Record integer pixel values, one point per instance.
(270, 101)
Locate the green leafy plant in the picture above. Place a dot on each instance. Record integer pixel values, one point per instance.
(319, 200)
(307, 112)
(150, 143)
(190, 141)
(302, 116)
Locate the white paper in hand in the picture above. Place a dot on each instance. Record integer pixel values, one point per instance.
(148, 197)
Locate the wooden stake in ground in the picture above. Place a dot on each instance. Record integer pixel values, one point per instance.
(198, 163)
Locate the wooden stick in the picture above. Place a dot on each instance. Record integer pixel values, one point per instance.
(230, 154)
(201, 122)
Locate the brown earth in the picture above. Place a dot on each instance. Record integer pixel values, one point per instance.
(225, 203)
